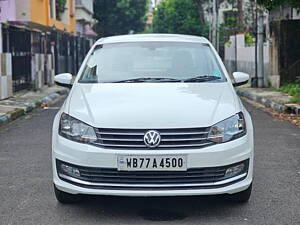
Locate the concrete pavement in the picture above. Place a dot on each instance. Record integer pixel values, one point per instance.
(26, 193)
(24, 102)
(278, 101)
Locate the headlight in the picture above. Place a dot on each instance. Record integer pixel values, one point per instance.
(229, 129)
(76, 130)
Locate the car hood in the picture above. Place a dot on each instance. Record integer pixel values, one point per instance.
(152, 105)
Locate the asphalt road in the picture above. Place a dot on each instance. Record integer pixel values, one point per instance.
(26, 193)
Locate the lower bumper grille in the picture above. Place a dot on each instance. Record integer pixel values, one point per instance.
(196, 177)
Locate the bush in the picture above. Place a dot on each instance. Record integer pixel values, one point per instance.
(249, 39)
(292, 89)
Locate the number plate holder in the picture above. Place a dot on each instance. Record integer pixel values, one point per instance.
(152, 162)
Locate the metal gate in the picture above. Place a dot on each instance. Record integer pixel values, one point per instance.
(17, 41)
(284, 49)
(69, 51)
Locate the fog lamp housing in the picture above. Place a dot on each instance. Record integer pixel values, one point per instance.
(237, 169)
(67, 169)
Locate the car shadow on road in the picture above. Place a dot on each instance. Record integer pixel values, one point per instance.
(156, 208)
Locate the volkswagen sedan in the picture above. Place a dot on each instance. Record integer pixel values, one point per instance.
(152, 115)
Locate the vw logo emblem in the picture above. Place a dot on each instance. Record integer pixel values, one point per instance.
(152, 139)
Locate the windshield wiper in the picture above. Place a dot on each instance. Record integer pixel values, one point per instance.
(148, 79)
(201, 78)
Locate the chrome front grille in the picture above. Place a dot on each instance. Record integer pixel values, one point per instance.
(170, 138)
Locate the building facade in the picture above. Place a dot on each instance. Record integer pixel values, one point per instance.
(40, 14)
(84, 18)
(38, 39)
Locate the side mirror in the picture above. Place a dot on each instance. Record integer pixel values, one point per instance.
(64, 80)
(240, 78)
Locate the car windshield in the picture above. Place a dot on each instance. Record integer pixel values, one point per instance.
(152, 62)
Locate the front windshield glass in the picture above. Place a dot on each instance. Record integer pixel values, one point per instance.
(152, 62)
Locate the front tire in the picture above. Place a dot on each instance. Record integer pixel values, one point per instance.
(64, 197)
(241, 197)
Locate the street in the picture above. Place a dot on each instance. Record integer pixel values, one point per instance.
(26, 189)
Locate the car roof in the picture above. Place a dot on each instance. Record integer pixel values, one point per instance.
(152, 37)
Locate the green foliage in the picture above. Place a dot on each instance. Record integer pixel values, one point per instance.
(181, 17)
(292, 89)
(5, 25)
(60, 7)
(230, 26)
(61, 4)
(117, 17)
(148, 30)
(249, 39)
(295, 99)
(272, 4)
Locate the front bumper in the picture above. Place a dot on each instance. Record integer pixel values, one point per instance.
(237, 187)
(211, 156)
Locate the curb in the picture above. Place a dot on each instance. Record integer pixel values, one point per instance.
(8, 117)
(287, 108)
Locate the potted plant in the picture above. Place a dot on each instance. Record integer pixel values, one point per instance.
(60, 6)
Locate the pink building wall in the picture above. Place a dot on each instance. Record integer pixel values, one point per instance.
(8, 10)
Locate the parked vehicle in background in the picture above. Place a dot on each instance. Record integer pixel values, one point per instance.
(152, 115)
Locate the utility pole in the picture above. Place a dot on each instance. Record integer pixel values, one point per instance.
(260, 50)
(254, 83)
(214, 24)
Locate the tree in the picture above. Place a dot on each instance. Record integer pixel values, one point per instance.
(272, 4)
(240, 10)
(241, 6)
(119, 16)
(179, 16)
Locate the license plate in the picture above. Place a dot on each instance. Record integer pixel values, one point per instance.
(152, 162)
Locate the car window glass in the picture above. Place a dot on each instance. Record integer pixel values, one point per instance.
(176, 60)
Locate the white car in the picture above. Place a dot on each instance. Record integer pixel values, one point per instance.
(152, 115)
